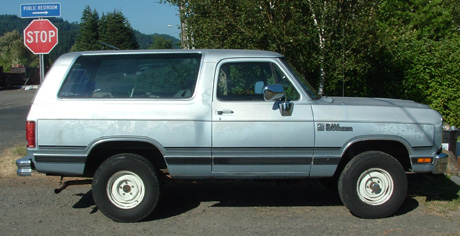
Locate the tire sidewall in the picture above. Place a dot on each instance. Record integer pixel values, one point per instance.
(349, 179)
(137, 165)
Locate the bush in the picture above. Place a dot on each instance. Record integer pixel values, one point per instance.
(433, 76)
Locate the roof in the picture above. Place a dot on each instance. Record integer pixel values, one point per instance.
(210, 54)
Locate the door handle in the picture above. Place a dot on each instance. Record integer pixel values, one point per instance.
(224, 112)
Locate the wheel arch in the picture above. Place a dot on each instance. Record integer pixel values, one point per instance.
(100, 150)
(399, 149)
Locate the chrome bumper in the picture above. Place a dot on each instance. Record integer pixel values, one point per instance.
(24, 165)
(440, 163)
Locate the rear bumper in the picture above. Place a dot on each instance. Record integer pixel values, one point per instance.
(24, 165)
(440, 163)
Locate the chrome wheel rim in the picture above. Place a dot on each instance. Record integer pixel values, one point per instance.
(375, 186)
(125, 189)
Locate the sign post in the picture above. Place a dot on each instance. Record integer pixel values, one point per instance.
(40, 37)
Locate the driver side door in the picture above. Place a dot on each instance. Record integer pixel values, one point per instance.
(250, 136)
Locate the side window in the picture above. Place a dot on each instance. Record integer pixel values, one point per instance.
(77, 84)
(244, 81)
(133, 76)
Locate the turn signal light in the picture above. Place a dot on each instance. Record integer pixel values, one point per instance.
(424, 160)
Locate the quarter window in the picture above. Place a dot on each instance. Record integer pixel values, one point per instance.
(133, 76)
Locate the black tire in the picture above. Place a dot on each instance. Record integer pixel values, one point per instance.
(126, 188)
(373, 185)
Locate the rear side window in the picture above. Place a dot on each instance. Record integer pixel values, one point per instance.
(161, 76)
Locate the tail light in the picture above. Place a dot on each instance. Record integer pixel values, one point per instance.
(30, 134)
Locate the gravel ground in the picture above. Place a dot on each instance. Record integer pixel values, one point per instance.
(29, 206)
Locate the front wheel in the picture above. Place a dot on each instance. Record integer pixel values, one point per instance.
(373, 185)
(126, 188)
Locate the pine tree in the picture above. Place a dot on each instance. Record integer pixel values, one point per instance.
(89, 32)
(116, 31)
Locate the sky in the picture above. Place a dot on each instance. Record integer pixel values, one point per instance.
(146, 16)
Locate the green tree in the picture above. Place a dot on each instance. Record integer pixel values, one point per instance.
(433, 73)
(161, 43)
(252, 24)
(323, 39)
(422, 40)
(88, 36)
(115, 30)
(343, 29)
(12, 51)
(454, 7)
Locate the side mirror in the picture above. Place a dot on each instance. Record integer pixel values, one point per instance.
(273, 92)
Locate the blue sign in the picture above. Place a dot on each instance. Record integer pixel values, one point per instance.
(38, 10)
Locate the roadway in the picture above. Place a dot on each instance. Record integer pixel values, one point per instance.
(14, 106)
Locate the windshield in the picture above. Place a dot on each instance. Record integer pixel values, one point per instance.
(305, 85)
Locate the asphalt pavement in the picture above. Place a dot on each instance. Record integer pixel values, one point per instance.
(14, 106)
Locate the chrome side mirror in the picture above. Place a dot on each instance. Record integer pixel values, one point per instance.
(273, 92)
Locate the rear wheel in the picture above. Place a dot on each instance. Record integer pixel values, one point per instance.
(126, 188)
(373, 185)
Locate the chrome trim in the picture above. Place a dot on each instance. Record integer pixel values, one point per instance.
(440, 163)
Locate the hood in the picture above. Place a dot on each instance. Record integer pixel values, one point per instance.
(374, 110)
(376, 102)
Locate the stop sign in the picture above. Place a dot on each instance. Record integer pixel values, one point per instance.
(40, 36)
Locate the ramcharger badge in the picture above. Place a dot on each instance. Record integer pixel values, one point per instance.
(333, 127)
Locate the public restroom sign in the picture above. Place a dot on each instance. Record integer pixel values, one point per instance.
(40, 10)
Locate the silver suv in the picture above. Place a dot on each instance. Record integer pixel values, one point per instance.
(131, 119)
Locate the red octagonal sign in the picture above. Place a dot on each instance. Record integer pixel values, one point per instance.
(40, 36)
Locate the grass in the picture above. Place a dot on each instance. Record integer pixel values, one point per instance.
(19, 150)
(437, 193)
(8, 159)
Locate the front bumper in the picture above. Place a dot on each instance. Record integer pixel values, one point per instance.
(440, 163)
(25, 166)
